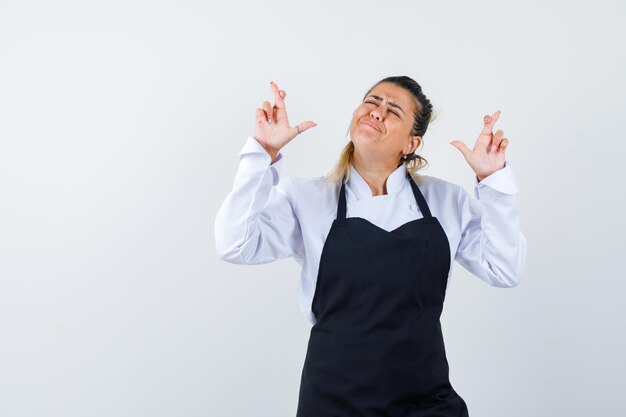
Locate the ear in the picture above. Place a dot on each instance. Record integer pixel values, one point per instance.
(413, 144)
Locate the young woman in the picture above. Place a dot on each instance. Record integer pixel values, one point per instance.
(376, 242)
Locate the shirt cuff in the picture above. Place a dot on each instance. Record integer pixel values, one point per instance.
(254, 159)
(502, 180)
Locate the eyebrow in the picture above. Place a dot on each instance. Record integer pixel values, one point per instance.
(389, 103)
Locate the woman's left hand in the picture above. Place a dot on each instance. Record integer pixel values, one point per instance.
(488, 154)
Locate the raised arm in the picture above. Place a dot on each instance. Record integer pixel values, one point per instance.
(257, 221)
(492, 246)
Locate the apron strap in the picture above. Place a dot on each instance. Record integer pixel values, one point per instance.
(421, 202)
(341, 209)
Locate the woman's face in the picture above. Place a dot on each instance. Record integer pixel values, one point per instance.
(381, 126)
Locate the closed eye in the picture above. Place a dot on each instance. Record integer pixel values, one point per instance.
(391, 111)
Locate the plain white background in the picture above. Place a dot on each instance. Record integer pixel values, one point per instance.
(120, 125)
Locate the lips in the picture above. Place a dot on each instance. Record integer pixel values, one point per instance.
(369, 123)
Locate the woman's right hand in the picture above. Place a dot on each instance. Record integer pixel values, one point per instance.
(272, 128)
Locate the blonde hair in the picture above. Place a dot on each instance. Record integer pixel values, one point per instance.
(423, 115)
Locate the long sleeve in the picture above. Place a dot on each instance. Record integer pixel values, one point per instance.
(256, 223)
(492, 246)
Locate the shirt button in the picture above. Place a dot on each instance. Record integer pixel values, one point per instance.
(411, 207)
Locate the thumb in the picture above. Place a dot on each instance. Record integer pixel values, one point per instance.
(306, 125)
(461, 147)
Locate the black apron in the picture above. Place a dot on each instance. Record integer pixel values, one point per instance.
(377, 348)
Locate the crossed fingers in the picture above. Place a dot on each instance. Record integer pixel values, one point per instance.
(492, 142)
(279, 104)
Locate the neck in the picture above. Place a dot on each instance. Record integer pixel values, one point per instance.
(375, 173)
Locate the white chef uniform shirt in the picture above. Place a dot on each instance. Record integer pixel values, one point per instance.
(266, 217)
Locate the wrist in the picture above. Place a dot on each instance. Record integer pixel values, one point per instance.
(272, 152)
(479, 178)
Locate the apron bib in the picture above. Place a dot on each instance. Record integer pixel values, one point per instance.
(377, 348)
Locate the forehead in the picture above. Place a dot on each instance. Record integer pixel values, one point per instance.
(394, 93)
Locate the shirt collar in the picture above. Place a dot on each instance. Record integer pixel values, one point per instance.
(395, 182)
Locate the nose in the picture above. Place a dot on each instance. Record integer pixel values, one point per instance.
(378, 112)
